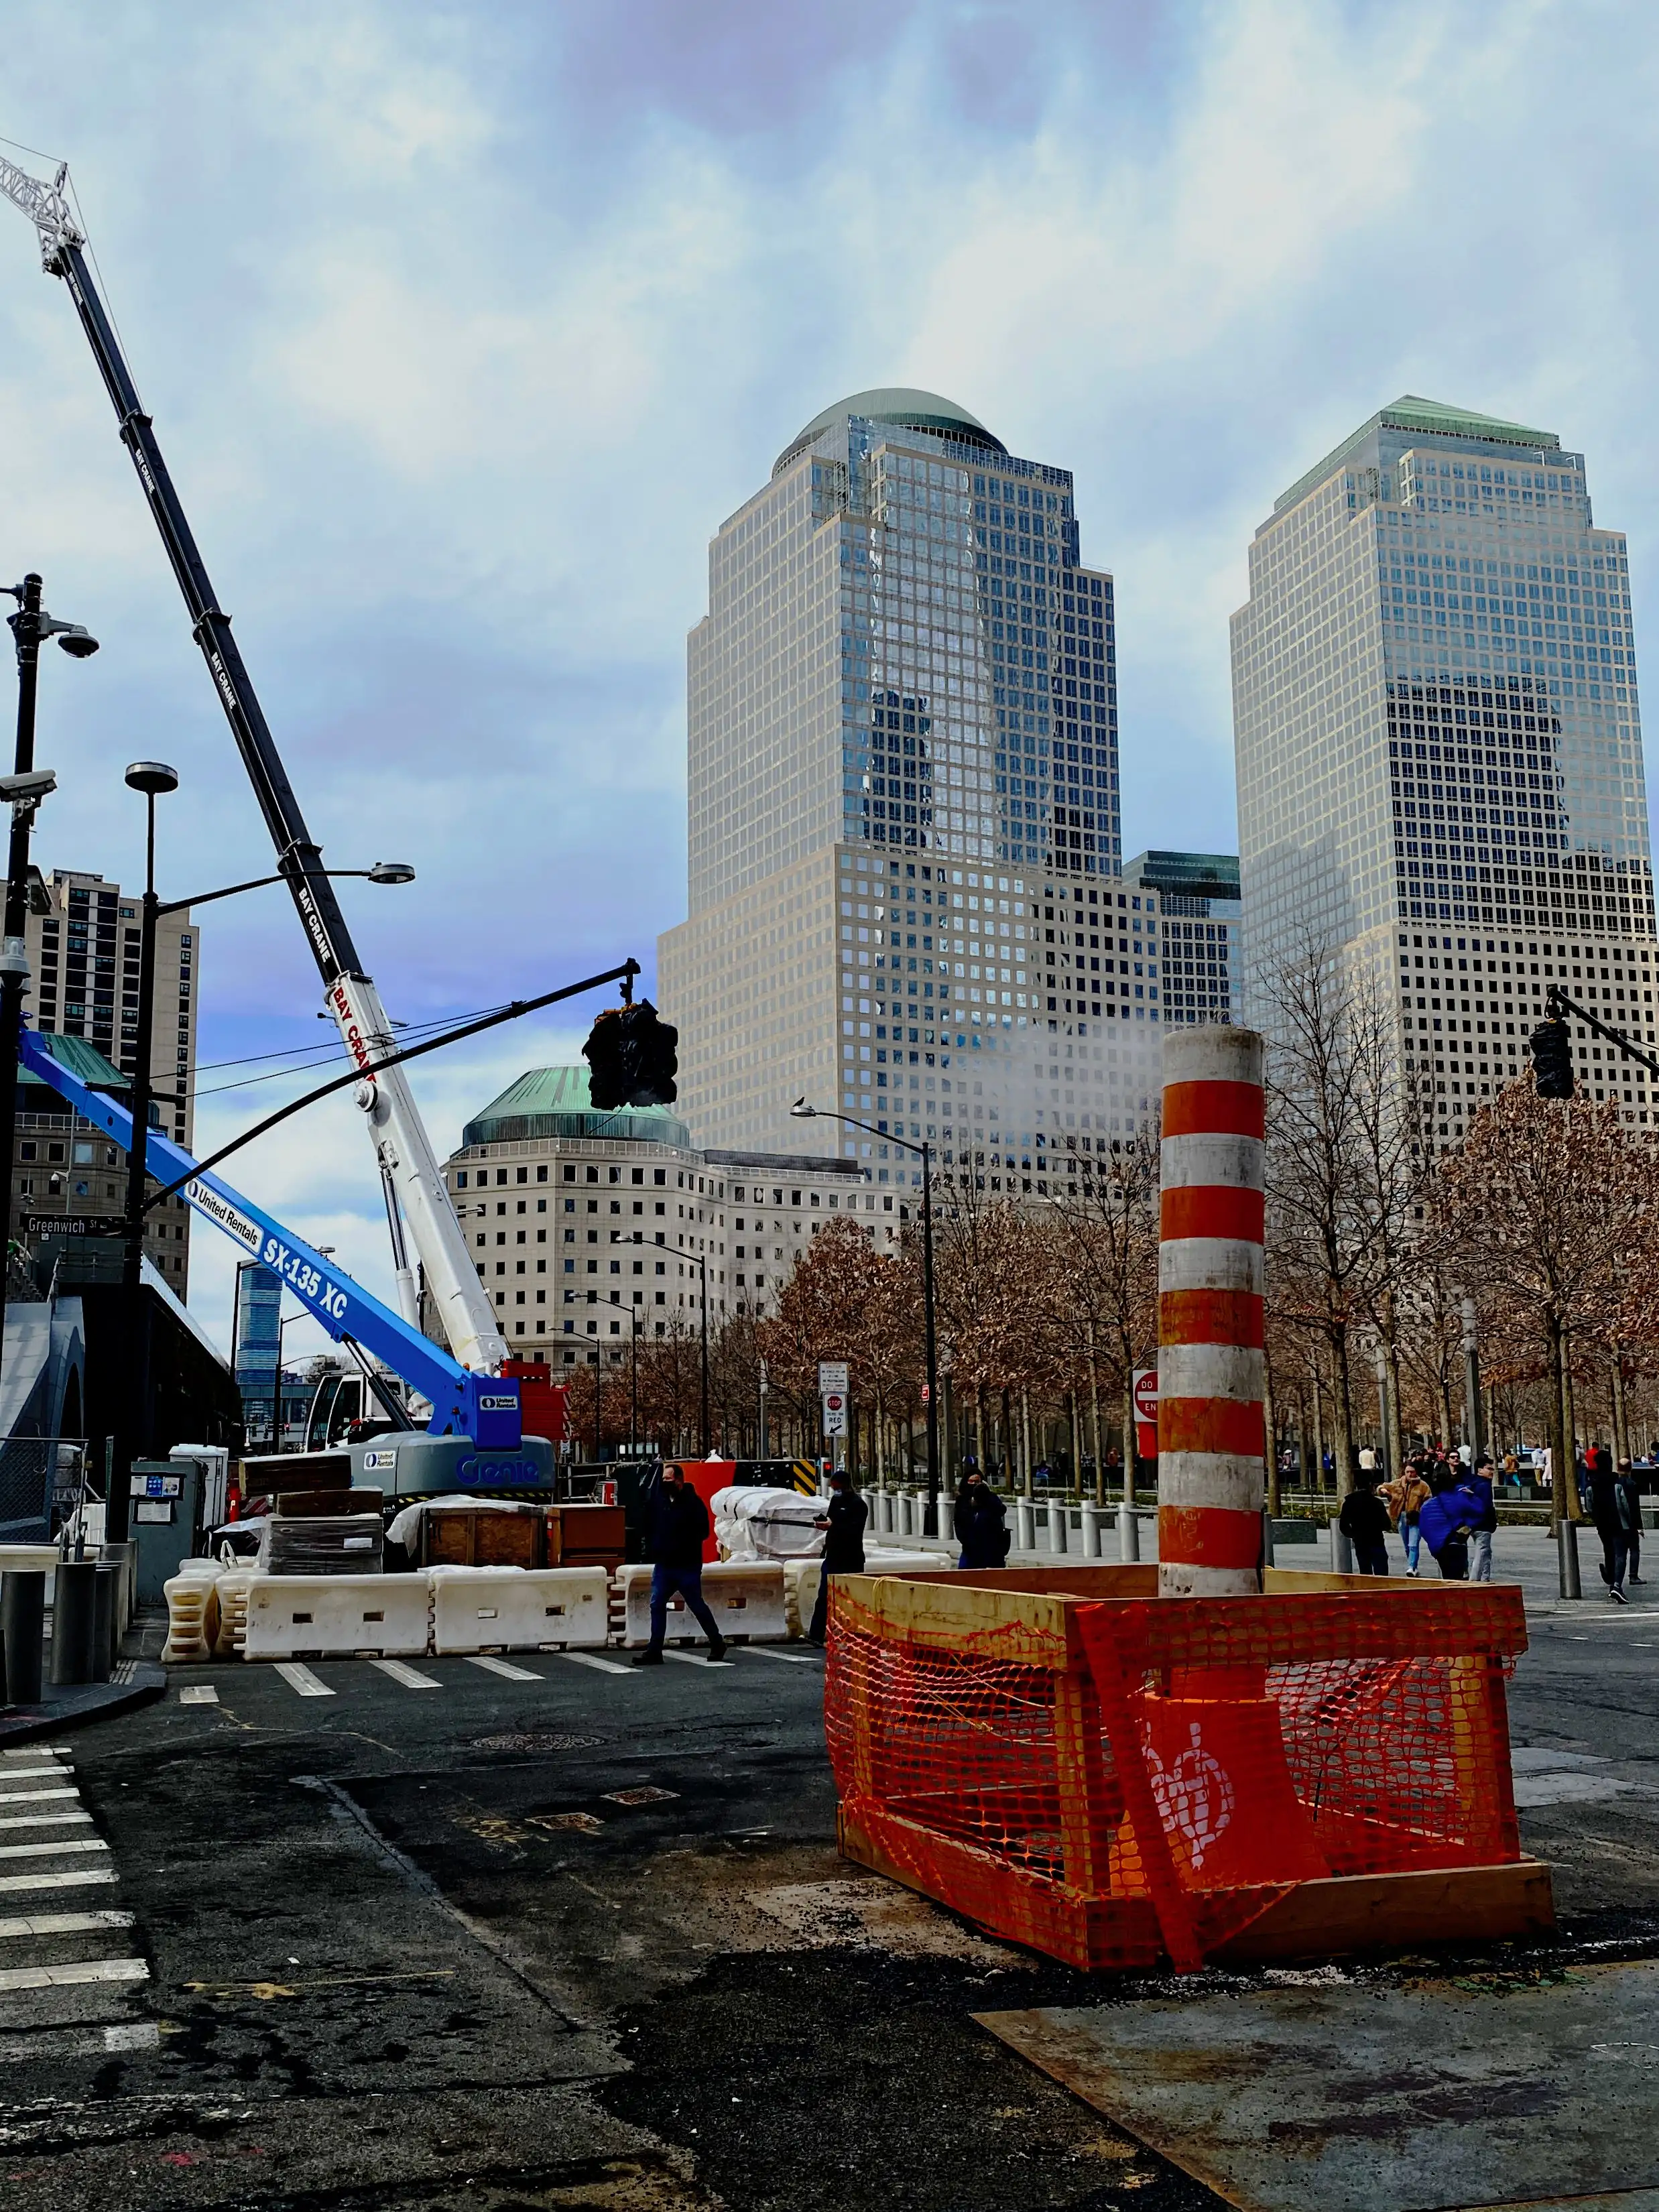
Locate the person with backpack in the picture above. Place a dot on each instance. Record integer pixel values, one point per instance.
(1448, 1521)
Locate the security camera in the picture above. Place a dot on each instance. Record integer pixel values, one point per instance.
(34, 784)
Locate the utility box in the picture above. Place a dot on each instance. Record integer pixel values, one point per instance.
(169, 1499)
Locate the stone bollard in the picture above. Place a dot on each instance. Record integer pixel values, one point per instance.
(1211, 1380)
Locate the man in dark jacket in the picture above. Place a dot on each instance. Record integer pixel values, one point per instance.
(1447, 1523)
(676, 1528)
(1629, 1511)
(979, 1521)
(843, 1545)
(1610, 1525)
(1363, 1520)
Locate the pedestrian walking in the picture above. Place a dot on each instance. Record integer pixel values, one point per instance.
(1363, 1520)
(1406, 1496)
(981, 1523)
(1630, 1512)
(1448, 1521)
(1610, 1526)
(843, 1545)
(677, 1529)
(1487, 1527)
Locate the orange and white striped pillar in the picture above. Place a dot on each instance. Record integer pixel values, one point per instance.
(1210, 1315)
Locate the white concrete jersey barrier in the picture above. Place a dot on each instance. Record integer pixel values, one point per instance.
(746, 1598)
(516, 1609)
(324, 1616)
(800, 1579)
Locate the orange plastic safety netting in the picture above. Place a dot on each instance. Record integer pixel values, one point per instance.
(1111, 1780)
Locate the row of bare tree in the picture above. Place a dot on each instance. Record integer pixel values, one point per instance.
(1545, 1218)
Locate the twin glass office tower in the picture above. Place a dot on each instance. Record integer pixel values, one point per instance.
(1438, 746)
(903, 698)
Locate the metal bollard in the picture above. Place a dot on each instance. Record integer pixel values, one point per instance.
(1566, 1559)
(124, 1556)
(1091, 1517)
(1060, 1532)
(106, 1576)
(22, 1619)
(1128, 1534)
(1024, 1525)
(1341, 1551)
(72, 1601)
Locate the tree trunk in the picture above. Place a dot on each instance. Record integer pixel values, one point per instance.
(1342, 1411)
(1077, 1445)
(1026, 1443)
(1569, 1424)
(1564, 1490)
(1319, 1436)
(1131, 1442)
(1094, 1424)
(1270, 1430)
(1444, 1389)
(1621, 1450)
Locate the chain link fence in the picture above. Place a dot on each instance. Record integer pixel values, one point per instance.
(40, 1484)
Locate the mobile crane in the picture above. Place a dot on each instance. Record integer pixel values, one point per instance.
(475, 1396)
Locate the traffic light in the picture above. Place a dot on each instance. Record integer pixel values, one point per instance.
(632, 1058)
(1551, 1060)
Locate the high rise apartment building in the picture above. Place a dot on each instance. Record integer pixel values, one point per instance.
(904, 833)
(68, 1179)
(1439, 749)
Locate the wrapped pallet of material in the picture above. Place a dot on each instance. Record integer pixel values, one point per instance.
(331, 1544)
(755, 1523)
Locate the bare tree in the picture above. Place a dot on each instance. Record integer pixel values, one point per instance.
(1339, 1168)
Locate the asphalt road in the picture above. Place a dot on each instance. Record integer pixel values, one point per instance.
(583, 1939)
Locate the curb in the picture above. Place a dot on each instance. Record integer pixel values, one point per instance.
(82, 1705)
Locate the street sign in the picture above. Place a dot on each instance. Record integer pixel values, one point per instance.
(1146, 1398)
(832, 1376)
(834, 1413)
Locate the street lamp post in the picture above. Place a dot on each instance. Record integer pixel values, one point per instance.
(638, 1237)
(25, 788)
(1472, 1382)
(801, 1111)
(154, 779)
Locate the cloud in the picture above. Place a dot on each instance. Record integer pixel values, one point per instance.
(463, 331)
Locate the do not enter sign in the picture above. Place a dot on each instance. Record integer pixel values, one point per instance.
(1146, 1398)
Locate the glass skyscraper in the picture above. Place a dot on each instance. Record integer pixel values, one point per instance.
(902, 711)
(1439, 748)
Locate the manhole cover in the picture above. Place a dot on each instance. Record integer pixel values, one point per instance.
(536, 1740)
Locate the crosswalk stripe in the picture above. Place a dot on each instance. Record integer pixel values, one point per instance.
(51, 1851)
(500, 1667)
(74, 2042)
(48, 1821)
(407, 1675)
(771, 1651)
(591, 1659)
(83, 1970)
(694, 1659)
(198, 1693)
(12, 1885)
(64, 1923)
(34, 1773)
(301, 1681)
(33, 1796)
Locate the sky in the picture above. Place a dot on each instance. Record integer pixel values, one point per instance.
(463, 329)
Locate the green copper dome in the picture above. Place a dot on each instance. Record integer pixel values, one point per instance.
(907, 409)
(555, 1102)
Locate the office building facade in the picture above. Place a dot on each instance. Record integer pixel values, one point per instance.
(1439, 749)
(1203, 910)
(904, 835)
